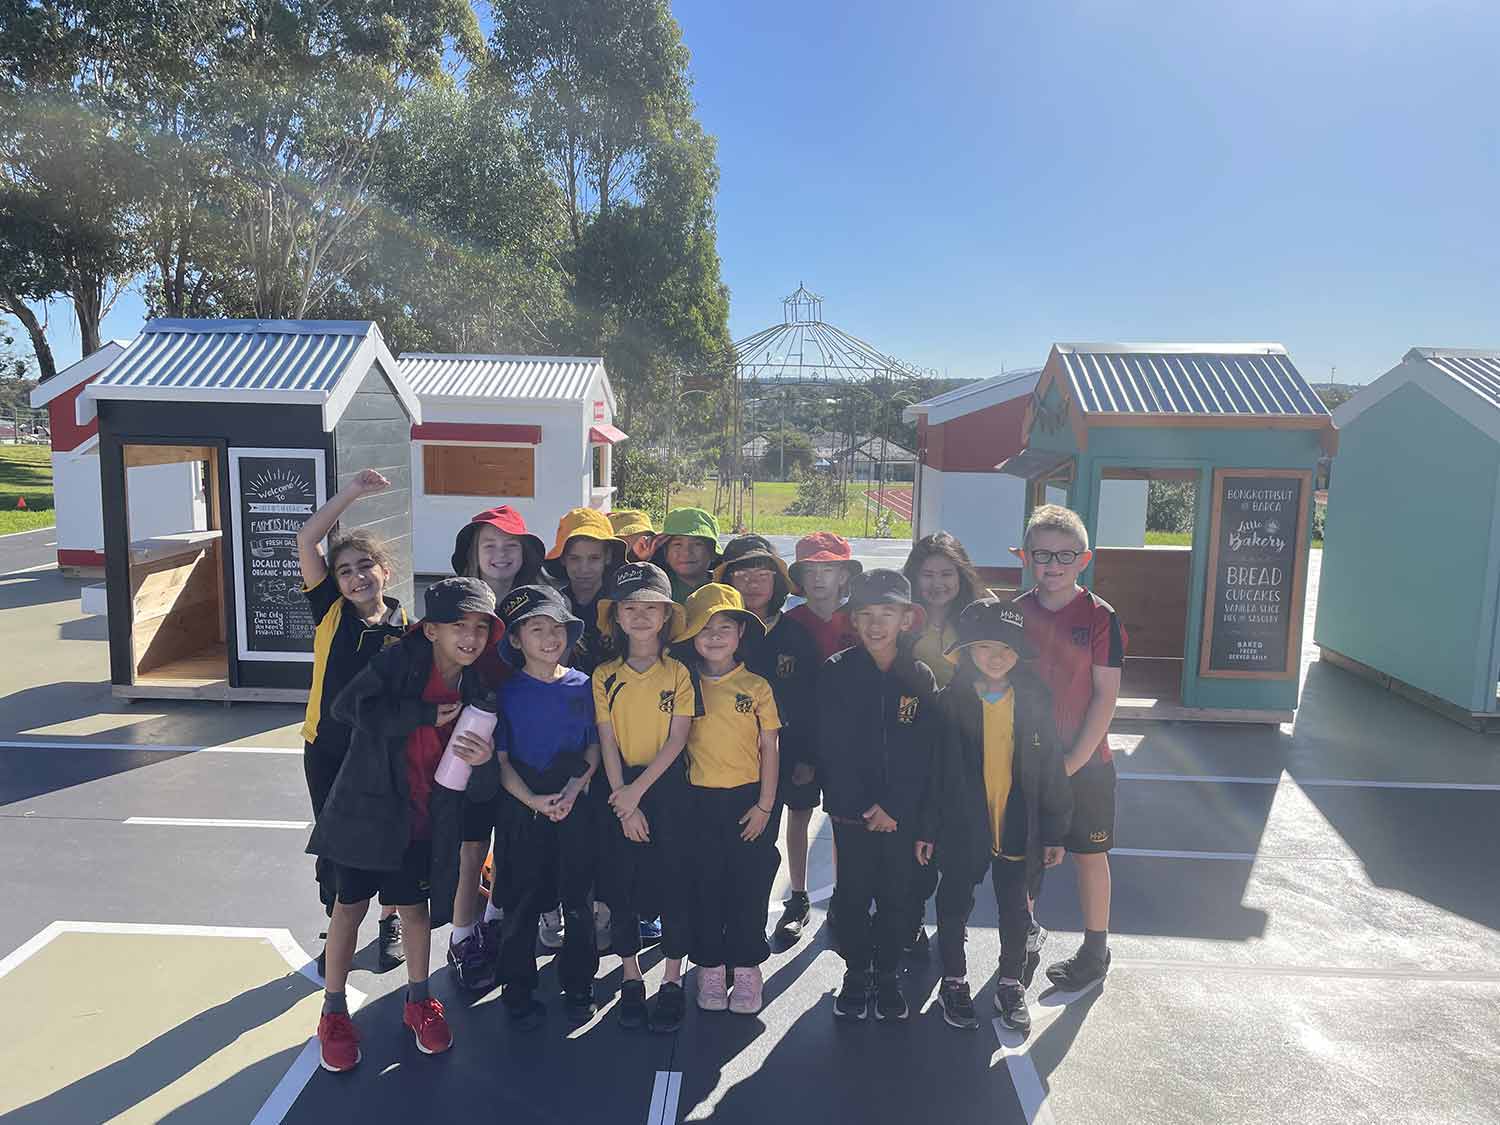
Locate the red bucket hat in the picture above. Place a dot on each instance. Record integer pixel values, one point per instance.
(824, 547)
(504, 518)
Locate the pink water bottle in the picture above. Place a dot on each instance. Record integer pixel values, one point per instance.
(477, 718)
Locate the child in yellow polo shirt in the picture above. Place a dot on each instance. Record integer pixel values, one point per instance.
(733, 760)
(644, 705)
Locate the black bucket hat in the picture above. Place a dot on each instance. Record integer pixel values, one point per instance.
(990, 619)
(638, 582)
(756, 550)
(533, 601)
(447, 601)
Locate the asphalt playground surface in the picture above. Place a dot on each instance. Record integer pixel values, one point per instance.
(1306, 929)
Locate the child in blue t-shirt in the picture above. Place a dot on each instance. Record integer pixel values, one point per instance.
(552, 826)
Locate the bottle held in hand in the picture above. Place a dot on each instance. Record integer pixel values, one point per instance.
(477, 718)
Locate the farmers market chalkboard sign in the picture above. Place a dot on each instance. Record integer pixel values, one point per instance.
(1252, 616)
(272, 493)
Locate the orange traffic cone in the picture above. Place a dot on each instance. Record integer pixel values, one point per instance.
(20, 503)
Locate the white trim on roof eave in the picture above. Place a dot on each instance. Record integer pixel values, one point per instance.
(527, 399)
(1455, 353)
(88, 408)
(78, 372)
(371, 352)
(996, 393)
(1075, 347)
(1415, 370)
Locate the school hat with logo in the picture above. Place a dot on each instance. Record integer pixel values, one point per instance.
(714, 598)
(584, 523)
(504, 518)
(823, 547)
(447, 601)
(537, 601)
(639, 582)
(753, 550)
(990, 619)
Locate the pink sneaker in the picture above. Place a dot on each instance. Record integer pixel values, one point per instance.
(746, 996)
(713, 996)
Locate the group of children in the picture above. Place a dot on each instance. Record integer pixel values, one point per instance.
(946, 734)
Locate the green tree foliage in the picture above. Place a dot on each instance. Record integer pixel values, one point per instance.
(1169, 505)
(822, 493)
(787, 452)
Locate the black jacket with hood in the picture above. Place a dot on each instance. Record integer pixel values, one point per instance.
(366, 823)
(876, 734)
(956, 814)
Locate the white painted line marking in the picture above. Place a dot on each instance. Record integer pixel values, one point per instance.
(664, 1095)
(148, 747)
(1023, 1075)
(1156, 853)
(33, 531)
(1312, 782)
(197, 822)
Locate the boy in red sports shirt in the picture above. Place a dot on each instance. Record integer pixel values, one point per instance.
(823, 569)
(1080, 649)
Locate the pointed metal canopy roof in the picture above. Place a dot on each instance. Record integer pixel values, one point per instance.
(804, 348)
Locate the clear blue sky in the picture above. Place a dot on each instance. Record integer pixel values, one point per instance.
(966, 182)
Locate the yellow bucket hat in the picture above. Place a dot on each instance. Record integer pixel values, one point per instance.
(584, 523)
(714, 598)
(631, 521)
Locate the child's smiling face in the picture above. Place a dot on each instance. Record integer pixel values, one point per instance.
(719, 639)
(542, 640)
(642, 621)
(585, 560)
(824, 582)
(459, 642)
(360, 578)
(1050, 572)
(688, 556)
(756, 585)
(880, 626)
(994, 659)
(937, 581)
(499, 555)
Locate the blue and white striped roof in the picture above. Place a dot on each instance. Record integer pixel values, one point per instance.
(1465, 380)
(1186, 379)
(1473, 369)
(312, 362)
(538, 378)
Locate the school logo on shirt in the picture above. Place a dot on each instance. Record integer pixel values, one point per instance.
(786, 666)
(1081, 637)
(667, 702)
(743, 703)
(906, 711)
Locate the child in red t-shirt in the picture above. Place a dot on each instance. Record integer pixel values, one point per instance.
(823, 569)
(1080, 647)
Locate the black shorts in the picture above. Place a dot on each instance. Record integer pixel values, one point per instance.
(407, 887)
(797, 797)
(1093, 828)
(479, 819)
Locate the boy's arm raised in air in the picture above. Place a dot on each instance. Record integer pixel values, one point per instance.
(315, 530)
(369, 704)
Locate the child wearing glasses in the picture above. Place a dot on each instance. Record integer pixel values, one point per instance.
(1080, 647)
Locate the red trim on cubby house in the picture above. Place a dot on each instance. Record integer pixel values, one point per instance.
(976, 443)
(68, 557)
(476, 431)
(62, 414)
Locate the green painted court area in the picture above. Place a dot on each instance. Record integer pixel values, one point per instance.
(25, 472)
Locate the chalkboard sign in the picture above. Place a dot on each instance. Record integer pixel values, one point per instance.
(272, 493)
(1252, 616)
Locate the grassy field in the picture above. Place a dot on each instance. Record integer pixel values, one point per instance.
(771, 500)
(25, 471)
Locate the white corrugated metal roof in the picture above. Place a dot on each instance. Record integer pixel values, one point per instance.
(546, 378)
(1222, 379)
(278, 361)
(975, 396)
(1465, 380)
(1477, 370)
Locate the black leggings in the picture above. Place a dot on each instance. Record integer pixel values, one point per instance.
(874, 867)
(646, 880)
(955, 902)
(731, 878)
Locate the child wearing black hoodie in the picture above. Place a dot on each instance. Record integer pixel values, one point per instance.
(999, 802)
(875, 734)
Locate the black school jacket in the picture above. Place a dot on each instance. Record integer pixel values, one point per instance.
(788, 659)
(876, 734)
(956, 814)
(366, 823)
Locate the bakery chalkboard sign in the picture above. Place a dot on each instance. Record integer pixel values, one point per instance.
(1252, 616)
(272, 493)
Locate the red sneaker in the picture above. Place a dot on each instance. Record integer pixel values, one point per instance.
(428, 1026)
(338, 1042)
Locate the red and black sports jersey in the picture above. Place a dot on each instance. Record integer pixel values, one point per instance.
(831, 636)
(1070, 643)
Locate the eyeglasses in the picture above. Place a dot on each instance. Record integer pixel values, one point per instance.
(1067, 558)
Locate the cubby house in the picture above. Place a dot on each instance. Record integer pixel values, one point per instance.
(269, 418)
(1215, 626)
(534, 432)
(1410, 587)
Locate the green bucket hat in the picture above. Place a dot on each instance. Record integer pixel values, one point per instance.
(692, 521)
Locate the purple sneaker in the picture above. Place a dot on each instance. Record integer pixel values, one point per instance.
(473, 962)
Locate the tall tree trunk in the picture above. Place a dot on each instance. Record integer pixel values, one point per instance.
(45, 364)
(88, 303)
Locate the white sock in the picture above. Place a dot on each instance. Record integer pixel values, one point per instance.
(1009, 980)
(490, 913)
(460, 933)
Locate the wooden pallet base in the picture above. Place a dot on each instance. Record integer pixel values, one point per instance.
(1486, 722)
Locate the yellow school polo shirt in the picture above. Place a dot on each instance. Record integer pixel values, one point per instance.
(929, 649)
(999, 757)
(724, 745)
(639, 706)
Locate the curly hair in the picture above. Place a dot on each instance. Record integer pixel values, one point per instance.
(945, 546)
(365, 543)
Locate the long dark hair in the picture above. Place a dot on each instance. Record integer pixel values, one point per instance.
(621, 642)
(943, 545)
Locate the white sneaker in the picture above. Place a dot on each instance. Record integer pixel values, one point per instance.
(549, 929)
(603, 939)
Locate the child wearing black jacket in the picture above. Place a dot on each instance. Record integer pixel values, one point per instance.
(999, 802)
(876, 732)
(387, 827)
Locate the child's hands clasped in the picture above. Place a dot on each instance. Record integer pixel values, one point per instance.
(625, 801)
(755, 821)
(924, 852)
(1052, 855)
(472, 748)
(637, 830)
(878, 820)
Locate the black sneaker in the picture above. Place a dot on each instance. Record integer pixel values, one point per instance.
(323, 962)
(580, 1005)
(920, 947)
(391, 953)
(890, 1001)
(630, 1012)
(526, 1012)
(473, 962)
(1078, 973)
(1036, 937)
(957, 1004)
(1010, 1002)
(853, 1000)
(666, 1013)
(793, 918)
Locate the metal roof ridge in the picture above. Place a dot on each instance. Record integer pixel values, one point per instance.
(478, 356)
(1422, 352)
(265, 327)
(1241, 348)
